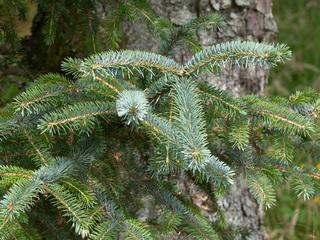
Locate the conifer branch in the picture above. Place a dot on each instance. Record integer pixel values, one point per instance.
(51, 225)
(218, 172)
(184, 33)
(188, 119)
(51, 25)
(26, 231)
(26, 102)
(8, 125)
(239, 133)
(132, 106)
(107, 229)
(30, 138)
(220, 99)
(114, 88)
(172, 203)
(284, 148)
(161, 126)
(278, 116)
(92, 169)
(262, 190)
(91, 24)
(68, 204)
(151, 19)
(113, 25)
(204, 22)
(241, 53)
(83, 194)
(20, 198)
(306, 181)
(75, 117)
(136, 230)
(12, 174)
(50, 78)
(161, 85)
(123, 59)
(5, 222)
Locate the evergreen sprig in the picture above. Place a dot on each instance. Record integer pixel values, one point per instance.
(240, 53)
(185, 33)
(79, 156)
(123, 60)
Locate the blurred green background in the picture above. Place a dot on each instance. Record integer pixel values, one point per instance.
(299, 27)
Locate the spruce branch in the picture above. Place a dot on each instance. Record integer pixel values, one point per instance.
(135, 229)
(20, 198)
(284, 148)
(161, 129)
(77, 117)
(147, 15)
(41, 154)
(8, 125)
(58, 169)
(312, 148)
(92, 26)
(113, 25)
(161, 86)
(198, 227)
(32, 101)
(114, 88)
(50, 29)
(123, 60)
(50, 225)
(170, 222)
(217, 172)
(206, 22)
(50, 78)
(259, 164)
(280, 117)
(70, 206)
(241, 53)
(262, 190)
(15, 230)
(132, 106)
(221, 101)
(308, 96)
(12, 174)
(105, 230)
(85, 197)
(188, 118)
(185, 33)
(74, 149)
(239, 133)
(306, 181)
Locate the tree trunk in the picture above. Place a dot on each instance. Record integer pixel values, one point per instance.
(249, 20)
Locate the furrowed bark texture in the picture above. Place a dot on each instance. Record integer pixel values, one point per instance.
(250, 20)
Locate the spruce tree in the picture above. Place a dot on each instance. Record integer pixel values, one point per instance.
(81, 151)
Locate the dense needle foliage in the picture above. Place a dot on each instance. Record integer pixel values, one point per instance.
(80, 152)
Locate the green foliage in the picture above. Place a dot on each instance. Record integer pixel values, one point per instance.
(61, 29)
(92, 146)
(297, 21)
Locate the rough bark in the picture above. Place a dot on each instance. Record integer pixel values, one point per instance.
(250, 20)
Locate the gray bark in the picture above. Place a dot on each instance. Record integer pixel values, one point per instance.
(249, 20)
